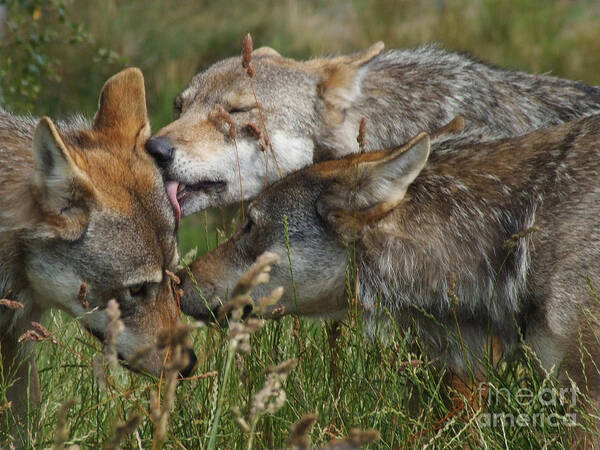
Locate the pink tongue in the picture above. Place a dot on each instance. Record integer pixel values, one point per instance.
(172, 187)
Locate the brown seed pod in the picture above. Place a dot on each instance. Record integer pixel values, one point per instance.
(247, 51)
(362, 131)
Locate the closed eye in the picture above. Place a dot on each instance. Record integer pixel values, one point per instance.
(241, 109)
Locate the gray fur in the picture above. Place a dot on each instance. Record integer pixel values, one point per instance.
(500, 237)
(316, 116)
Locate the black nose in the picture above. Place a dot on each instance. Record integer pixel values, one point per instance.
(189, 369)
(161, 149)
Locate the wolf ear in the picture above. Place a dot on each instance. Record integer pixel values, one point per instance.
(56, 174)
(339, 76)
(122, 106)
(371, 187)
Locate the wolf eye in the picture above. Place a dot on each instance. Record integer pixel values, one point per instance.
(138, 290)
(241, 109)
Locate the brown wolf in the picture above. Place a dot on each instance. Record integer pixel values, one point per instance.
(79, 203)
(312, 111)
(500, 238)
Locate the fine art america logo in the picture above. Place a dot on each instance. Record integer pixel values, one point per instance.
(530, 408)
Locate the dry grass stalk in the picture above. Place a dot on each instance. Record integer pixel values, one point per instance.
(272, 396)
(62, 430)
(512, 241)
(235, 307)
(356, 438)
(176, 336)
(5, 407)
(219, 115)
(160, 413)
(11, 304)
(173, 277)
(246, 64)
(239, 336)
(176, 341)
(122, 431)
(239, 420)
(202, 376)
(247, 49)
(98, 370)
(254, 131)
(264, 303)
(299, 437)
(38, 334)
(258, 273)
(278, 313)
(411, 363)
(82, 294)
(113, 329)
(362, 131)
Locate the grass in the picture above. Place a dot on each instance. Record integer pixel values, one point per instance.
(349, 382)
(357, 383)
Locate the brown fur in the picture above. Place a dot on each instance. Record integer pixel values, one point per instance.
(492, 241)
(83, 203)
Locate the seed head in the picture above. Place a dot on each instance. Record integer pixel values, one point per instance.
(219, 115)
(113, 329)
(299, 437)
(247, 51)
(247, 55)
(253, 130)
(362, 131)
(11, 304)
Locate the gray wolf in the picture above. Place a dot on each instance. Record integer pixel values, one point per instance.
(81, 203)
(312, 110)
(498, 238)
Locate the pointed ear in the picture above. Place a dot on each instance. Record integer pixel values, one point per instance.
(57, 178)
(122, 106)
(340, 80)
(265, 51)
(368, 189)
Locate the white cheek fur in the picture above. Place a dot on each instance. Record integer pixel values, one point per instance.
(291, 154)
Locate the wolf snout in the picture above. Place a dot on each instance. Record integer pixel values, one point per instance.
(190, 368)
(161, 148)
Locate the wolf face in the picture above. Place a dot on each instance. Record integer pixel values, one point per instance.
(197, 152)
(97, 214)
(312, 110)
(308, 213)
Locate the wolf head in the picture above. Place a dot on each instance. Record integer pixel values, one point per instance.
(203, 164)
(315, 214)
(104, 220)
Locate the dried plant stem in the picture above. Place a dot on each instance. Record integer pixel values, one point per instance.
(264, 125)
(252, 431)
(212, 440)
(237, 157)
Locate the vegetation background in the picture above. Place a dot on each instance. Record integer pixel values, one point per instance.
(54, 57)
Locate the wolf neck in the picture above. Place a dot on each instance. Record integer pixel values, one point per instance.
(402, 93)
(445, 247)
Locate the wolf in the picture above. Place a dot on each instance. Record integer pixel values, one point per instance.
(490, 243)
(311, 110)
(83, 204)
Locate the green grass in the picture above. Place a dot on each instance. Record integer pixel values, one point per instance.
(385, 383)
(356, 383)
